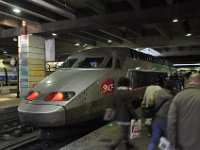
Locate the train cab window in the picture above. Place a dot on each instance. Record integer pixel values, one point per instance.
(118, 64)
(91, 62)
(69, 63)
(109, 64)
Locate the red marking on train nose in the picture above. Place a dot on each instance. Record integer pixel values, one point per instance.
(107, 86)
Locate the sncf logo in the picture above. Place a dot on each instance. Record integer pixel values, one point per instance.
(107, 86)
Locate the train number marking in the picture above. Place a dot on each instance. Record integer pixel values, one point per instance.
(107, 86)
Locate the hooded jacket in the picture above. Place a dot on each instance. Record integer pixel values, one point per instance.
(123, 106)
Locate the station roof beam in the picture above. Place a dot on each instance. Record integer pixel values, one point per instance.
(9, 22)
(136, 4)
(53, 8)
(96, 6)
(30, 9)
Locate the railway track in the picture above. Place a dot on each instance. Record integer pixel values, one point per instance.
(13, 133)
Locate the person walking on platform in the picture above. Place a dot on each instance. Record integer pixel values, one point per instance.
(162, 103)
(124, 113)
(148, 100)
(183, 118)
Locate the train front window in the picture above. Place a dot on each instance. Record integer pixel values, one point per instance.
(91, 62)
(69, 63)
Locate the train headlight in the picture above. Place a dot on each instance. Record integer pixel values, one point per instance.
(59, 96)
(32, 95)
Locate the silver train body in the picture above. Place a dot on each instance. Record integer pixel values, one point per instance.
(91, 76)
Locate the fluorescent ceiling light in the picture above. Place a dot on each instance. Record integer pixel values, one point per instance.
(187, 64)
(175, 20)
(77, 44)
(109, 41)
(84, 45)
(16, 10)
(137, 68)
(188, 34)
(150, 51)
(15, 39)
(54, 34)
(5, 52)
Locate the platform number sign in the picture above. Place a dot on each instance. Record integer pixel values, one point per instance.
(107, 86)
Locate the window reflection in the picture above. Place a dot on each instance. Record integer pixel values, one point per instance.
(91, 62)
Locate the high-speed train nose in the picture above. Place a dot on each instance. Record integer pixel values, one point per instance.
(42, 115)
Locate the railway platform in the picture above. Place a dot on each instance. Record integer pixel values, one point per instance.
(9, 100)
(101, 138)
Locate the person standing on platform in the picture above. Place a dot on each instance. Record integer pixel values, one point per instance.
(183, 118)
(124, 113)
(162, 103)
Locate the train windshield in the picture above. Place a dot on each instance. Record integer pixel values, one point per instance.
(69, 63)
(91, 62)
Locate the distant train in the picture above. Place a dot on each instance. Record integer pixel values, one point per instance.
(8, 76)
(84, 86)
(8, 71)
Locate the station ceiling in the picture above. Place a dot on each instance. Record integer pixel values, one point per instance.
(98, 23)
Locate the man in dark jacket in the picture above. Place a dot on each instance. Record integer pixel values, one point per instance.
(124, 112)
(183, 117)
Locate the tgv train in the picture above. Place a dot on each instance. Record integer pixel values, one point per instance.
(85, 84)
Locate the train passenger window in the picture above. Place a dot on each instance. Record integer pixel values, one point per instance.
(109, 64)
(91, 62)
(69, 63)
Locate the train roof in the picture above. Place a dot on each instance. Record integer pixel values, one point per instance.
(122, 51)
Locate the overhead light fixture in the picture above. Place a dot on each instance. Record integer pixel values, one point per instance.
(109, 41)
(84, 45)
(54, 34)
(77, 44)
(5, 52)
(15, 39)
(177, 65)
(16, 10)
(150, 51)
(175, 20)
(23, 23)
(188, 34)
(137, 68)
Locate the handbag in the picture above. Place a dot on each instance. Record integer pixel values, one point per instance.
(109, 114)
(135, 129)
(164, 144)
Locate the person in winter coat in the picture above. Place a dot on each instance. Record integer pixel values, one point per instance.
(148, 100)
(124, 113)
(162, 103)
(183, 118)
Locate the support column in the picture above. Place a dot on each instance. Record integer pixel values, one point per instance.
(31, 62)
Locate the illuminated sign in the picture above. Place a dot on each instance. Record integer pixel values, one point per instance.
(107, 86)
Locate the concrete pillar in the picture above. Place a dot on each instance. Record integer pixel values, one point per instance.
(31, 62)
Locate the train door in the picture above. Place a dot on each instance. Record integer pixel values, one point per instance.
(137, 92)
(92, 102)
